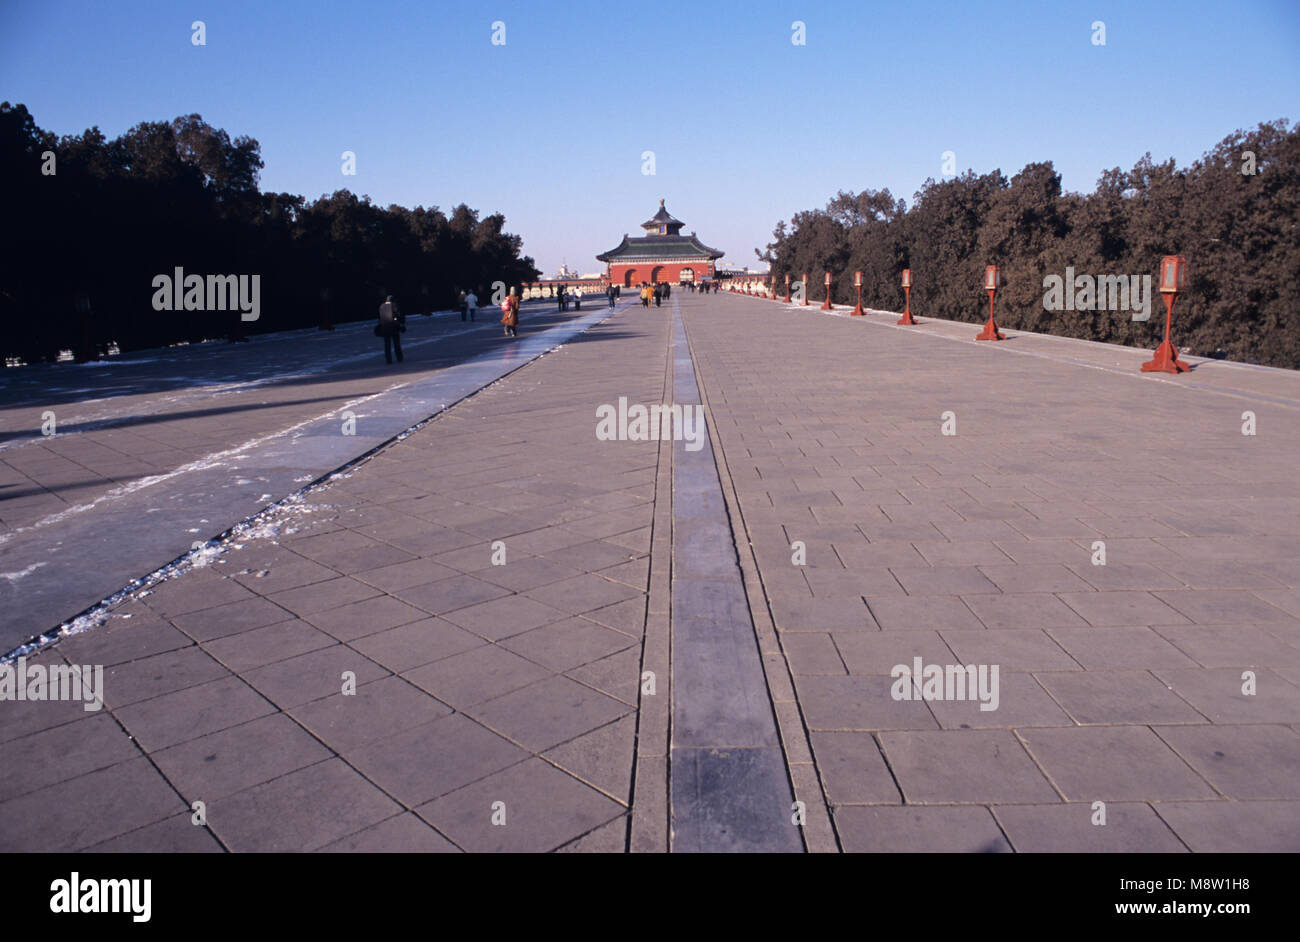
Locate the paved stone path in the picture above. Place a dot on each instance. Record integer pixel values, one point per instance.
(1120, 683)
(134, 478)
(475, 683)
(551, 702)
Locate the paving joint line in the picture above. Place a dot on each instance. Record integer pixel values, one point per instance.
(648, 818)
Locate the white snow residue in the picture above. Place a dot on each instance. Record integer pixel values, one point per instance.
(15, 576)
(285, 517)
(216, 459)
(206, 387)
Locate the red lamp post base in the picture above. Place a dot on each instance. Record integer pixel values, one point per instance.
(907, 310)
(1165, 360)
(990, 331)
(857, 311)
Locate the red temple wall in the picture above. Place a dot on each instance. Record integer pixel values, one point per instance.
(623, 273)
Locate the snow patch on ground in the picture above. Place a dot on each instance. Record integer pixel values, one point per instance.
(284, 518)
(15, 576)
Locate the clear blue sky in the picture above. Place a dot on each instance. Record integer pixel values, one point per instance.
(746, 127)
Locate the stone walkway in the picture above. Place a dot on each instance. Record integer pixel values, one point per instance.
(1120, 683)
(141, 468)
(475, 684)
(502, 633)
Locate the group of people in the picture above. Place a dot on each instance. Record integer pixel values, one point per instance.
(564, 296)
(392, 323)
(660, 291)
(468, 303)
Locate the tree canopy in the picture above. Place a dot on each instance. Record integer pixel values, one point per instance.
(1238, 231)
(115, 214)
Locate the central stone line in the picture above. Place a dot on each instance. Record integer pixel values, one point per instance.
(729, 786)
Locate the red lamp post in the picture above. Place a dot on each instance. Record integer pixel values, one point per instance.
(805, 289)
(826, 305)
(907, 291)
(857, 283)
(992, 281)
(776, 290)
(787, 289)
(1173, 276)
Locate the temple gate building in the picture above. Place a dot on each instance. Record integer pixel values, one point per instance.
(662, 254)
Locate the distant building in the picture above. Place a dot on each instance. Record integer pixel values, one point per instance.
(662, 254)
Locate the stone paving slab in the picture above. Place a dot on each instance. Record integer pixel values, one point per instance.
(1119, 682)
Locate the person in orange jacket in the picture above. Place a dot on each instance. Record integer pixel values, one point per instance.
(510, 314)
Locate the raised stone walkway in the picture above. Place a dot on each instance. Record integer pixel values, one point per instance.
(653, 640)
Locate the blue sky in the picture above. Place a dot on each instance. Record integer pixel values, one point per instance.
(746, 127)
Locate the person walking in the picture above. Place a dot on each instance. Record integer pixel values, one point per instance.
(577, 298)
(610, 294)
(390, 329)
(510, 314)
(645, 294)
(658, 293)
(471, 305)
(460, 302)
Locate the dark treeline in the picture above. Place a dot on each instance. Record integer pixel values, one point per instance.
(1238, 231)
(116, 214)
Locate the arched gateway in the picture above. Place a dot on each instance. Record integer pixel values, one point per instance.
(663, 252)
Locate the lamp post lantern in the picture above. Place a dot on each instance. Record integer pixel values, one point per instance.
(1173, 276)
(826, 305)
(857, 283)
(992, 281)
(907, 291)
